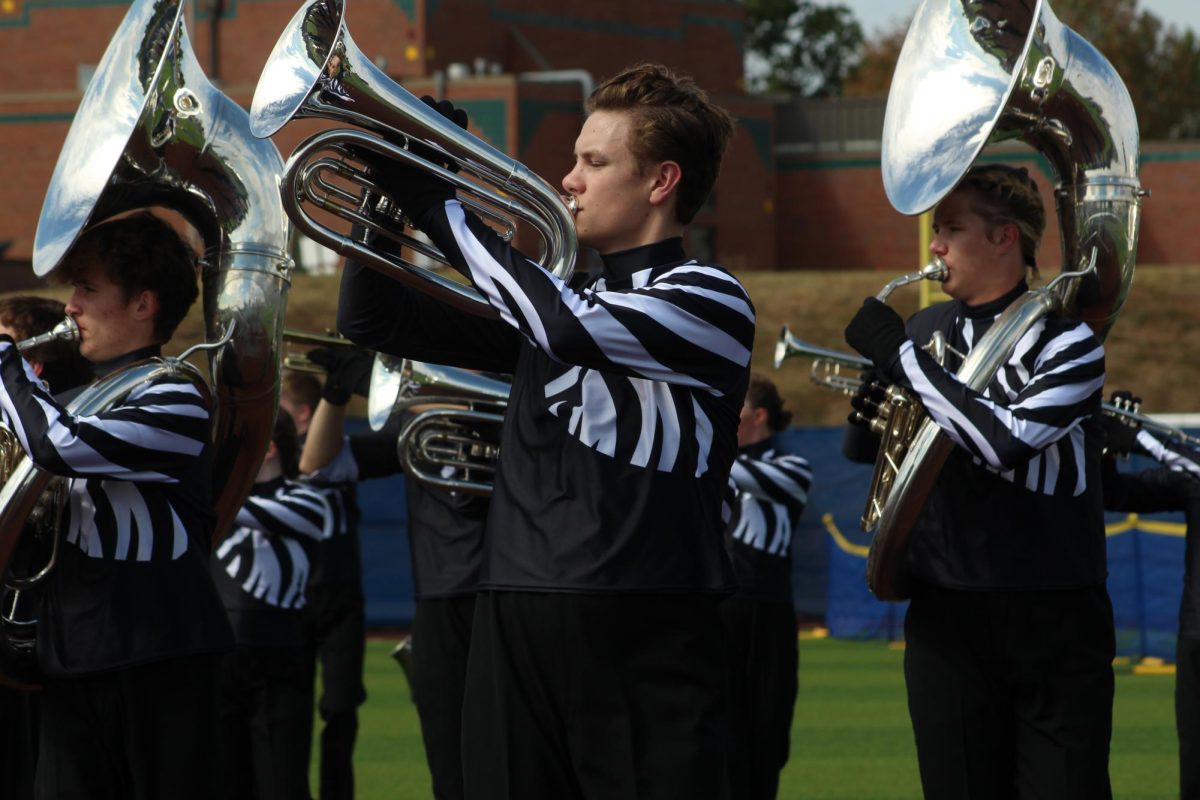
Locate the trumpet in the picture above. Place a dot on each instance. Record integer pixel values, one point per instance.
(1130, 414)
(832, 369)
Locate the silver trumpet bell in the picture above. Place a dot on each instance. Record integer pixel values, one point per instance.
(316, 70)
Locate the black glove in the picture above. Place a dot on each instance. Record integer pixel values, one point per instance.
(417, 190)
(1120, 432)
(347, 372)
(877, 332)
(860, 444)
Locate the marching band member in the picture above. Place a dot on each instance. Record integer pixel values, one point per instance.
(129, 625)
(63, 369)
(1009, 632)
(445, 538)
(594, 670)
(760, 619)
(335, 613)
(261, 571)
(1172, 486)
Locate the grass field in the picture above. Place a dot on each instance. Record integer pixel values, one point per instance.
(851, 739)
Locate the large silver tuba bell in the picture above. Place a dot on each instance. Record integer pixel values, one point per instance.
(972, 73)
(316, 70)
(152, 131)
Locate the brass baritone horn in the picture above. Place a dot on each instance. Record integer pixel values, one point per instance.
(316, 70)
(452, 441)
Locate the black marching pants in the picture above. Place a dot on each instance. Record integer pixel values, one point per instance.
(615, 697)
(1011, 693)
(266, 723)
(336, 619)
(1187, 715)
(441, 641)
(763, 655)
(141, 733)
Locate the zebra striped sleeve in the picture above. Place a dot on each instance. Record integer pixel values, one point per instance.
(778, 478)
(293, 510)
(153, 435)
(691, 326)
(1057, 378)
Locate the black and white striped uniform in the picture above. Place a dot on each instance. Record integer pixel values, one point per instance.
(1009, 632)
(1012, 507)
(604, 551)
(621, 425)
(261, 568)
(772, 490)
(131, 584)
(762, 653)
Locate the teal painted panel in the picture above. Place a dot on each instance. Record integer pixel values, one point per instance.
(489, 117)
(532, 112)
(35, 119)
(760, 134)
(408, 8)
(676, 33)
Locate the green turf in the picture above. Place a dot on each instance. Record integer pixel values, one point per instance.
(851, 738)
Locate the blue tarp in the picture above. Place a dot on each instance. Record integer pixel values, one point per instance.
(1145, 557)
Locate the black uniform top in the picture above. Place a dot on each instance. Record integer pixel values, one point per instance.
(261, 568)
(622, 419)
(772, 490)
(445, 529)
(132, 583)
(1011, 508)
(1175, 486)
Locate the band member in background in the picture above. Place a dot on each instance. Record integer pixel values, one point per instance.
(130, 625)
(261, 571)
(760, 619)
(336, 627)
(445, 537)
(1172, 486)
(61, 368)
(594, 670)
(1009, 631)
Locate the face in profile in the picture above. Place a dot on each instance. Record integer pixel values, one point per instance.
(110, 324)
(612, 192)
(980, 259)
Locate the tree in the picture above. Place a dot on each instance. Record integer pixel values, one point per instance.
(1160, 65)
(797, 46)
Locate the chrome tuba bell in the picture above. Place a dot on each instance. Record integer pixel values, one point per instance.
(152, 131)
(970, 74)
(316, 70)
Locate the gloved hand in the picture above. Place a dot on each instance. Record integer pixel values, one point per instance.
(860, 444)
(877, 332)
(867, 399)
(417, 190)
(347, 372)
(1120, 433)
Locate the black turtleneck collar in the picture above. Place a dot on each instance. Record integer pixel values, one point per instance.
(756, 449)
(993, 307)
(102, 368)
(624, 263)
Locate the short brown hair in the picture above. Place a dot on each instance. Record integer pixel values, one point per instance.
(301, 388)
(141, 252)
(762, 393)
(29, 315)
(672, 120)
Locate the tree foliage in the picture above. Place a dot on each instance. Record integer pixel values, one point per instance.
(800, 47)
(1159, 64)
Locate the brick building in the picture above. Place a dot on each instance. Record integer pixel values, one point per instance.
(790, 197)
